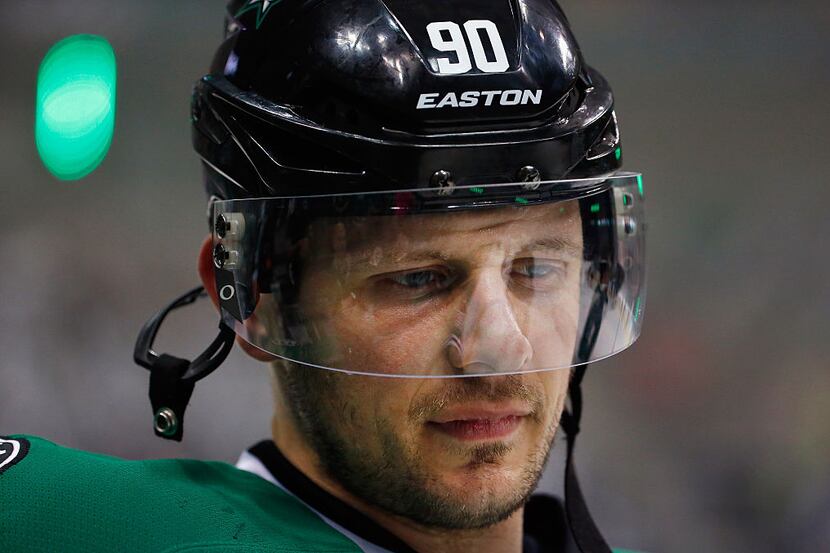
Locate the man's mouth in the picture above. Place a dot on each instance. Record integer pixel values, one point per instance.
(473, 423)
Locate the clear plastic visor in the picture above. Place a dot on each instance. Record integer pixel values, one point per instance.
(498, 279)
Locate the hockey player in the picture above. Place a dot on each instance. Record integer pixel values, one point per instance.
(418, 219)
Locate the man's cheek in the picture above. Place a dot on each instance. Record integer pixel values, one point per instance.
(360, 405)
(383, 353)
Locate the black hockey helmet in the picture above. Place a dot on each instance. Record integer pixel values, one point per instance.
(309, 103)
(327, 96)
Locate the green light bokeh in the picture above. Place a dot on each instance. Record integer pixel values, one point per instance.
(75, 113)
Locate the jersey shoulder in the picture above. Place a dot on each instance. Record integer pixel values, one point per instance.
(61, 499)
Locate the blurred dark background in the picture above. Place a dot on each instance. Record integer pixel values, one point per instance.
(711, 434)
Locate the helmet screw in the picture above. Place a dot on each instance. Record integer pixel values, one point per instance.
(530, 176)
(222, 226)
(443, 179)
(165, 422)
(220, 255)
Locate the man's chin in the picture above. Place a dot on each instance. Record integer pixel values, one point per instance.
(486, 481)
(486, 475)
(478, 498)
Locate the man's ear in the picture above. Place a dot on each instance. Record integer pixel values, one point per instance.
(205, 265)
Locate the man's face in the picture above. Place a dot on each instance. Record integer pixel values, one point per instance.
(491, 292)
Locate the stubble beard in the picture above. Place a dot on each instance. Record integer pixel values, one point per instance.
(395, 480)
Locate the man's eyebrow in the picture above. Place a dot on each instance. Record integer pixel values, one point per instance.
(557, 244)
(394, 255)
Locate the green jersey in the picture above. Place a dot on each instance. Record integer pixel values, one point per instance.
(56, 499)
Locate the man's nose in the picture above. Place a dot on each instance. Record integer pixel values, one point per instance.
(487, 335)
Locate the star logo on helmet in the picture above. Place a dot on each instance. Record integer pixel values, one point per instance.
(262, 7)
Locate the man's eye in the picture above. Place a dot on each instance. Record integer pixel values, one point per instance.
(420, 279)
(416, 284)
(538, 270)
(532, 268)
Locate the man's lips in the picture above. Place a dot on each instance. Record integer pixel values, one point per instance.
(479, 422)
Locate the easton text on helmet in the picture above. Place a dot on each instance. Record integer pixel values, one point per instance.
(472, 98)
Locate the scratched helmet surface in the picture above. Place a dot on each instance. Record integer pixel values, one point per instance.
(353, 125)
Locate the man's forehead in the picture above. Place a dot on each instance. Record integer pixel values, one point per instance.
(348, 234)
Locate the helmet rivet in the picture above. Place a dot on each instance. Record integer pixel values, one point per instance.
(443, 179)
(222, 226)
(530, 176)
(220, 255)
(165, 422)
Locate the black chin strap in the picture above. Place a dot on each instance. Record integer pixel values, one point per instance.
(585, 532)
(172, 378)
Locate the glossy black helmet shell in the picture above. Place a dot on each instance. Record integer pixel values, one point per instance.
(332, 96)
